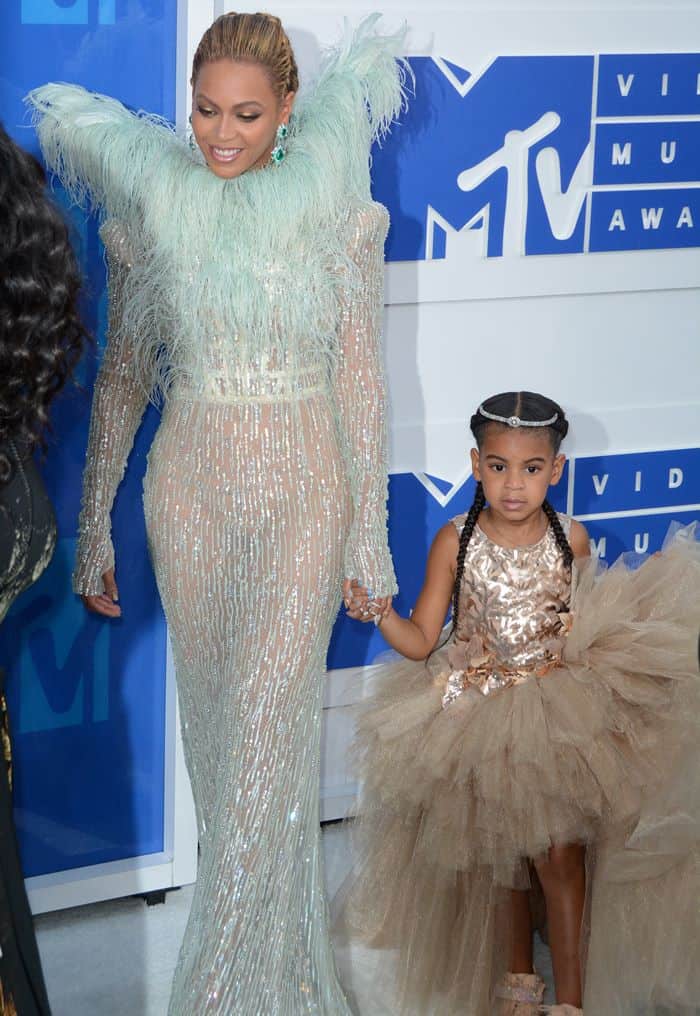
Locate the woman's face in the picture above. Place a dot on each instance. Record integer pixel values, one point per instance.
(235, 116)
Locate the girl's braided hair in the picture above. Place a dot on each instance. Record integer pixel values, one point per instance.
(527, 407)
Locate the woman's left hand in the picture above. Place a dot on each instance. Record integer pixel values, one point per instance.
(361, 606)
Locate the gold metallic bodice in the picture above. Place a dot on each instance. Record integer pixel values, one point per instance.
(512, 612)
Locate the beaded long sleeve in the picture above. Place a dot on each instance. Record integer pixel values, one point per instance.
(118, 405)
(360, 393)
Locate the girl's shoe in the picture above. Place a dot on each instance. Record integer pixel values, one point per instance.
(520, 995)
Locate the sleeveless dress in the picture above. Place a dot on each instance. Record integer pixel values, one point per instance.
(547, 719)
(253, 307)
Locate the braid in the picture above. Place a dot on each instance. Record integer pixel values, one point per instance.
(465, 536)
(559, 534)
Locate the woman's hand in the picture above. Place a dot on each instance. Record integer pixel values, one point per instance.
(361, 607)
(105, 604)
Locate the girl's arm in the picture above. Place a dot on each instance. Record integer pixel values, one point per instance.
(578, 539)
(417, 636)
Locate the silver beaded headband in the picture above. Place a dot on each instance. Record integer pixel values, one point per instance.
(515, 421)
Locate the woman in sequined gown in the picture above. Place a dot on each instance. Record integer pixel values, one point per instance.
(247, 287)
(560, 724)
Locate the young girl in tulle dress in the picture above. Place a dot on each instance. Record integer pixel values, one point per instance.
(546, 753)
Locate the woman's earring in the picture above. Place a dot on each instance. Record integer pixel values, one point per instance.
(190, 136)
(280, 150)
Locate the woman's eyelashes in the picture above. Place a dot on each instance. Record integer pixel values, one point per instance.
(245, 117)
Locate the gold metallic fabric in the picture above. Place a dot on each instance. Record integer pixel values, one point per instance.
(514, 620)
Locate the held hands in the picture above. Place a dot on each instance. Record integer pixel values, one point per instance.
(106, 603)
(361, 606)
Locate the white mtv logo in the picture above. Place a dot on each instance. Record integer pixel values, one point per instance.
(563, 206)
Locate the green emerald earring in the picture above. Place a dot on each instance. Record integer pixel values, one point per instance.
(280, 150)
(190, 136)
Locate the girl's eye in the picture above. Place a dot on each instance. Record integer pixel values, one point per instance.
(249, 117)
(205, 112)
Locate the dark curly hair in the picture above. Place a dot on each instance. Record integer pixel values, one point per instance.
(527, 407)
(41, 333)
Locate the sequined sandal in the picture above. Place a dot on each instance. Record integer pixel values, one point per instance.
(520, 995)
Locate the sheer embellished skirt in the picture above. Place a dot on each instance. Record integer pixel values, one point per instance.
(248, 510)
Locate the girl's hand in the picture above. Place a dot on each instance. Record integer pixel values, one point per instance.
(105, 604)
(361, 607)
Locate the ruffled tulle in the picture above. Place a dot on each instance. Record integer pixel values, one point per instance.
(601, 750)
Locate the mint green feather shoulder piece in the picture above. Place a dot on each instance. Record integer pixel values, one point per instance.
(252, 269)
(360, 91)
(98, 148)
(106, 155)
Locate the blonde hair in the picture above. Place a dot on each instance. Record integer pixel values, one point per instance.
(252, 38)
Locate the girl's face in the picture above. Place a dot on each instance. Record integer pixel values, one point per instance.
(516, 466)
(235, 116)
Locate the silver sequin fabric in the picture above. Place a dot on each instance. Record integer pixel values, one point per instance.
(265, 486)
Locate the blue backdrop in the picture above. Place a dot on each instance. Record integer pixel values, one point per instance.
(483, 154)
(87, 697)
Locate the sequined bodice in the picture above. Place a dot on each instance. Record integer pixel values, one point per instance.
(511, 606)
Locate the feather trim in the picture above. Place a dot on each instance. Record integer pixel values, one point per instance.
(97, 147)
(230, 274)
(361, 89)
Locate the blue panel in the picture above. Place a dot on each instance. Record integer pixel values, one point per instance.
(647, 153)
(87, 696)
(501, 152)
(633, 84)
(634, 482)
(54, 12)
(521, 108)
(645, 219)
(643, 534)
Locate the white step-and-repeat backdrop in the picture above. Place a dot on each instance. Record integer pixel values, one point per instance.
(544, 191)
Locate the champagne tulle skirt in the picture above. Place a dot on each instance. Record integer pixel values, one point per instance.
(603, 750)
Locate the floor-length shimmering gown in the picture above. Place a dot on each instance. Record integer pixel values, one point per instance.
(266, 483)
